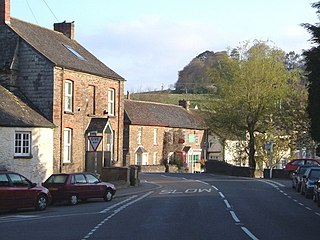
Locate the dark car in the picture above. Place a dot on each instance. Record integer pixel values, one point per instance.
(316, 193)
(297, 176)
(16, 191)
(78, 186)
(295, 163)
(309, 179)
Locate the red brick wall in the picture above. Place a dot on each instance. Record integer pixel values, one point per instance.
(78, 120)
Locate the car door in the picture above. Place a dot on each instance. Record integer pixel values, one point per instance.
(7, 200)
(81, 186)
(94, 186)
(21, 190)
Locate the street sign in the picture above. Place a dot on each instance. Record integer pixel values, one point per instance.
(95, 141)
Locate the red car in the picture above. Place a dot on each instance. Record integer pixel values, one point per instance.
(78, 186)
(295, 163)
(16, 191)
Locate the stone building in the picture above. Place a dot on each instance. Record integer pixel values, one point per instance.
(68, 85)
(154, 132)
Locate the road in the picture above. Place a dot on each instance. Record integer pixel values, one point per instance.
(181, 206)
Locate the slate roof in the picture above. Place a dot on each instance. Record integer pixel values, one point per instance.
(15, 112)
(159, 114)
(97, 124)
(54, 46)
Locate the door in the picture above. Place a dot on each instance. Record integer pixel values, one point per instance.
(22, 192)
(80, 187)
(6, 193)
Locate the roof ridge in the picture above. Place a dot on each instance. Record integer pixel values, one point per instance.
(158, 103)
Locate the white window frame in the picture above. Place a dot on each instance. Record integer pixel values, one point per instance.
(139, 137)
(111, 102)
(68, 96)
(22, 144)
(155, 134)
(67, 145)
(155, 157)
(197, 135)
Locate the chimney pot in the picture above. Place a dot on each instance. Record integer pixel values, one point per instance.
(67, 28)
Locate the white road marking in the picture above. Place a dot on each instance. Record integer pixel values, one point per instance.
(221, 194)
(234, 216)
(215, 188)
(119, 203)
(113, 214)
(227, 203)
(253, 237)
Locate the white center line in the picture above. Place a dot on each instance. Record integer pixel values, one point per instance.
(234, 216)
(253, 237)
(221, 194)
(227, 203)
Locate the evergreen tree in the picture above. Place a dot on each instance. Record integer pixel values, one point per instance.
(312, 57)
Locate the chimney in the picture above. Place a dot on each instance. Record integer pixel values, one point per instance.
(66, 28)
(184, 103)
(4, 12)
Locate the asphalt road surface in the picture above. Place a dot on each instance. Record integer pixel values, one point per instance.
(180, 206)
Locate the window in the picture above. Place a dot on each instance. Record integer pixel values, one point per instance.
(197, 138)
(91, 178)
(155, 157)
(18, 181)
(4, 181)
(139, 135)
(111, 102)
(155, 133)
(78, 55)
(80, 179)
(67, 148)
(92, 100)
(68, 96)
(22, 146)
(191, 138)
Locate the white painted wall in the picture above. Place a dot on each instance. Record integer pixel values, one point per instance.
(40, 166)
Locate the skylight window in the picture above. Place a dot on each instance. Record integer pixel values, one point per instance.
(78, 55)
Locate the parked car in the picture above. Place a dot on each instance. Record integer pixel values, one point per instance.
(16, 191)
(297, 176)
(78, 186)
(309, 179)
(316, 193)
(295, 163)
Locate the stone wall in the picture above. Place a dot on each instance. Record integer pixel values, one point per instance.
(221, 167)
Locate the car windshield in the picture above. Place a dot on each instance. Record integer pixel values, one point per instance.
(57, 179)
(315, 174)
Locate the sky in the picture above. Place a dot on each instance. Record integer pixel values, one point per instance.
(148, 42)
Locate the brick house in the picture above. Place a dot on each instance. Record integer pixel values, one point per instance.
(26, 137)
(154, 132)
(71, 88)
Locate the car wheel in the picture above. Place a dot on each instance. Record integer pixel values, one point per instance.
(314, 198)
(42, 203)
(73, 200)
(108, 195)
